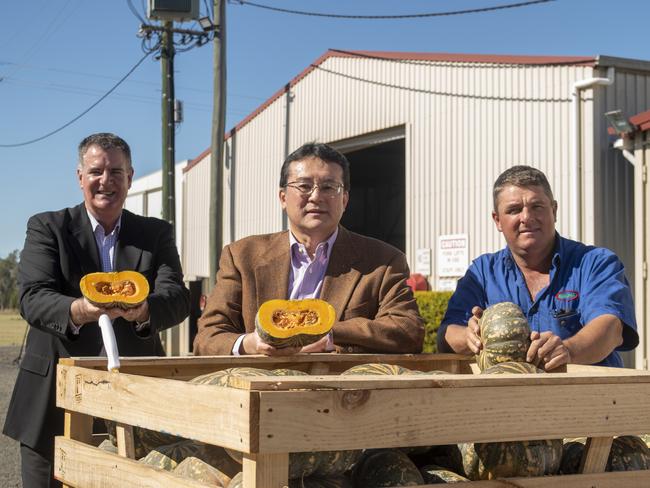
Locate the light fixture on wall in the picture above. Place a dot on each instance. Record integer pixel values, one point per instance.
(619, 122)
(206, 24)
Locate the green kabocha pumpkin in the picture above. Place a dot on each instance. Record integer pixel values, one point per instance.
(512, 367)
(123, 289)
(335, 463)
(339, 481)
(384, 468)
(491, 460)
(196, 469)
(628, 453)
(228, 377)
(447, 456)
(107, 445)
(376, 369)
(237, 481)
(144, 440)
(572, 453)
(294, 323)
(170, 456)
(505, 335)
(323, 464)
(434, 475)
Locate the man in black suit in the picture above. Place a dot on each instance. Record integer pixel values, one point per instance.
(60, 248)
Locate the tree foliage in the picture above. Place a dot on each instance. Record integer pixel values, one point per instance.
(8, 281)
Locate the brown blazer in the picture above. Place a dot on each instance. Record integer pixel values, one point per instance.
(365, 282)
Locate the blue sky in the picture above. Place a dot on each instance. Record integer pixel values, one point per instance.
(57, 57)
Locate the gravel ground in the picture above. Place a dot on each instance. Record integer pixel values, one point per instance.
(9, 449)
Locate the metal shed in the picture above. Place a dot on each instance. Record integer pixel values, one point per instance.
(426, 135)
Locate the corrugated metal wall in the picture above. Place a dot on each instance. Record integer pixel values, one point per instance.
(196, 218)
(613, 176)
(464, 124)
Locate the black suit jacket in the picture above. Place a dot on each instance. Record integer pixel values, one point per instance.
(59, 249)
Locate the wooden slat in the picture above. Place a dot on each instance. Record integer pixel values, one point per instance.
(266, 470)
(188, 366)
(80, 465)
(594, 459)
(336, 382)
(333, 420)
(207, 413)
(125, 441)
(622, 479)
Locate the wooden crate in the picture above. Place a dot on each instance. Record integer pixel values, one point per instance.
(266, 417)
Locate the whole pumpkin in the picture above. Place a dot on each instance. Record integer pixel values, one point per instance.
(379, 468)
(491, 460)
(628, 453)
(505, 335)
(434, 475)
(196, 469)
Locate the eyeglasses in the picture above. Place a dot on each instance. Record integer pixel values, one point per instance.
(327, 189)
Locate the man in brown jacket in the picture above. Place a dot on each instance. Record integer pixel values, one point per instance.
(362, 278)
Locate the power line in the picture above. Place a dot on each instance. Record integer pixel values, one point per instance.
(384, 17)
(440, 93)
(135, 12)
(82, 113)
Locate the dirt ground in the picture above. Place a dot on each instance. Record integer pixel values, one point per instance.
(9, 449)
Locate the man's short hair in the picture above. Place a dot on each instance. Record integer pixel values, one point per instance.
(106, 141)
(523, 177)
(320, 151)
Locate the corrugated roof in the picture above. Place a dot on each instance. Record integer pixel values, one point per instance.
(641, 121)
(409, 56)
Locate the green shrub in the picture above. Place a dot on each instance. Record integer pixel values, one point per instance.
(432, 305)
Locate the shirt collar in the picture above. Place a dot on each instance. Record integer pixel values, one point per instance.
(95, 224)
(294, 244)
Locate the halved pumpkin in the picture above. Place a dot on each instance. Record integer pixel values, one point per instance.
(293, 323)
(116, 289)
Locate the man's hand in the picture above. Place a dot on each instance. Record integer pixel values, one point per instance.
(547, 351)
(321, 345)
(473, 334)
(253, 344)
(82, 312)
(134, 314)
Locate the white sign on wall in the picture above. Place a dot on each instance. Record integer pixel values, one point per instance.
(447, 284)
(423, 261)
(453, 255)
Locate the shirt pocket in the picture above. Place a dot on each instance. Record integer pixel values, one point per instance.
(33, 363)
(567, 324)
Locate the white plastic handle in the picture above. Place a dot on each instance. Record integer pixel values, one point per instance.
(110, 344)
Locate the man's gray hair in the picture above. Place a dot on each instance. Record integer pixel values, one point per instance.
(106, 141)
(523, 177)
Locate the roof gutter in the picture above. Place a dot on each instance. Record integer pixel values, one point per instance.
(577, 87)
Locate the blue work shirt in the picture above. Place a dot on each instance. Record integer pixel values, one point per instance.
(584, 283)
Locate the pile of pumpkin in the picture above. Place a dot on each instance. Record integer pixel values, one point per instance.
(506, 337)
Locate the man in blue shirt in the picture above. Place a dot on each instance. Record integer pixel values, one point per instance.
(576, 298)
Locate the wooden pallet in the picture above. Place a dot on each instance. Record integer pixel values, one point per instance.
(266, 417)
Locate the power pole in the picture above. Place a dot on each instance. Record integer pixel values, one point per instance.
(218, 132)
(168, 125)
